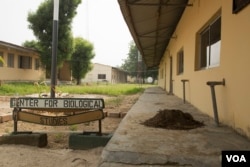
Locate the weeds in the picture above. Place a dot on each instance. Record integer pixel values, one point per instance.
(73, 128)
(58, 138)
(111, 89)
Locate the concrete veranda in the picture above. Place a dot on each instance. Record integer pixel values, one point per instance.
(134, 144)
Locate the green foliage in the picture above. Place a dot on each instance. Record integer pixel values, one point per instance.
(15, 89)
(81, 58)
(32, 44)
(73, 128)
(130, 64)
(58, 138)
(111, 89)
(41, 22)
(2, 62)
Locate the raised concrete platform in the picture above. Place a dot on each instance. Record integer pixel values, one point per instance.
(134, 144)
(25, 138)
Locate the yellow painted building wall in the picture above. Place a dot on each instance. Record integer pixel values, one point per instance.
(233, 98)
(19, 74)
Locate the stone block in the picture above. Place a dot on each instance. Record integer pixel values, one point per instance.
(5, 118)
(88, 140)
(123, 114)
(105, 114)
(114, 114)
(25, 138)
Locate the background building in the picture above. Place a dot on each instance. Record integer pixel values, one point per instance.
(105, 73)
(20, 63)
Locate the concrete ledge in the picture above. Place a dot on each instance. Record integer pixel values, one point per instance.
(25, 138)
(88, 140)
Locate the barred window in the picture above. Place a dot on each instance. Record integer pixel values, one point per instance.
(24, 62)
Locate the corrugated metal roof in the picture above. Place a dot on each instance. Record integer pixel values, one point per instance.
(152, 24)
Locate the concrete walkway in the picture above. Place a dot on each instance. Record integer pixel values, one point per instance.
(134, 144)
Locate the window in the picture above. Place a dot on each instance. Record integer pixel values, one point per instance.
(24, 62)
(11, 60)
(209, 45)
(37, 64)
(239, 5)
(180, 62)
(161, 73)
(1, 59)
(101, 76)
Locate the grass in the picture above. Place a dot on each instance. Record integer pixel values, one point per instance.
(14, 89)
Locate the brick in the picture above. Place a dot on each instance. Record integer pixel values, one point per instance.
(31, 139)
(88, 140)
(5, 118)
(123, 114)
(114, 114)
(105, 114)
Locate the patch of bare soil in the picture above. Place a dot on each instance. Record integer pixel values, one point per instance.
(173, 119)
(57, 153)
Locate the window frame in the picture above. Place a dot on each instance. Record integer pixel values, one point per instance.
(180, 62)
(11, 60)
(37, 64)
(208, 52)
(24, 62)
(101, 76)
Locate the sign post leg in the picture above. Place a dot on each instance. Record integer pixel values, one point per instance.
(54, 48)
(100, 127)
(15, 112)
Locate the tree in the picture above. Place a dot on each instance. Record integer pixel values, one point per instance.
(41, 23)
(32, 44)
(81, 58)
(136, 69)
(130, 64)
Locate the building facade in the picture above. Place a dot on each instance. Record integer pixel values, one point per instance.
(211, 44)
(20, 63)
(199, 42)
(105, 73)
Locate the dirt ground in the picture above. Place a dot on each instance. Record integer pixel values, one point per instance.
(57, 152)
(173, 119)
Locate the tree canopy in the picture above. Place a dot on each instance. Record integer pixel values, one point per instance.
(41, 22)
(130, 64)
(81, 58)
(135, 68)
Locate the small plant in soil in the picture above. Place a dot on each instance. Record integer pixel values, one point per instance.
(73, 127)
(58, 138)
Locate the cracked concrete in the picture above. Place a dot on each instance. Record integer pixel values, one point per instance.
(134, 144)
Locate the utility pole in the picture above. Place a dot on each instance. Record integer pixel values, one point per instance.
(54, 49)
(139, 67)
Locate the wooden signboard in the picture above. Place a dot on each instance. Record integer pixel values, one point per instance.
(60, 120)
(60, 103)
(92, 110)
